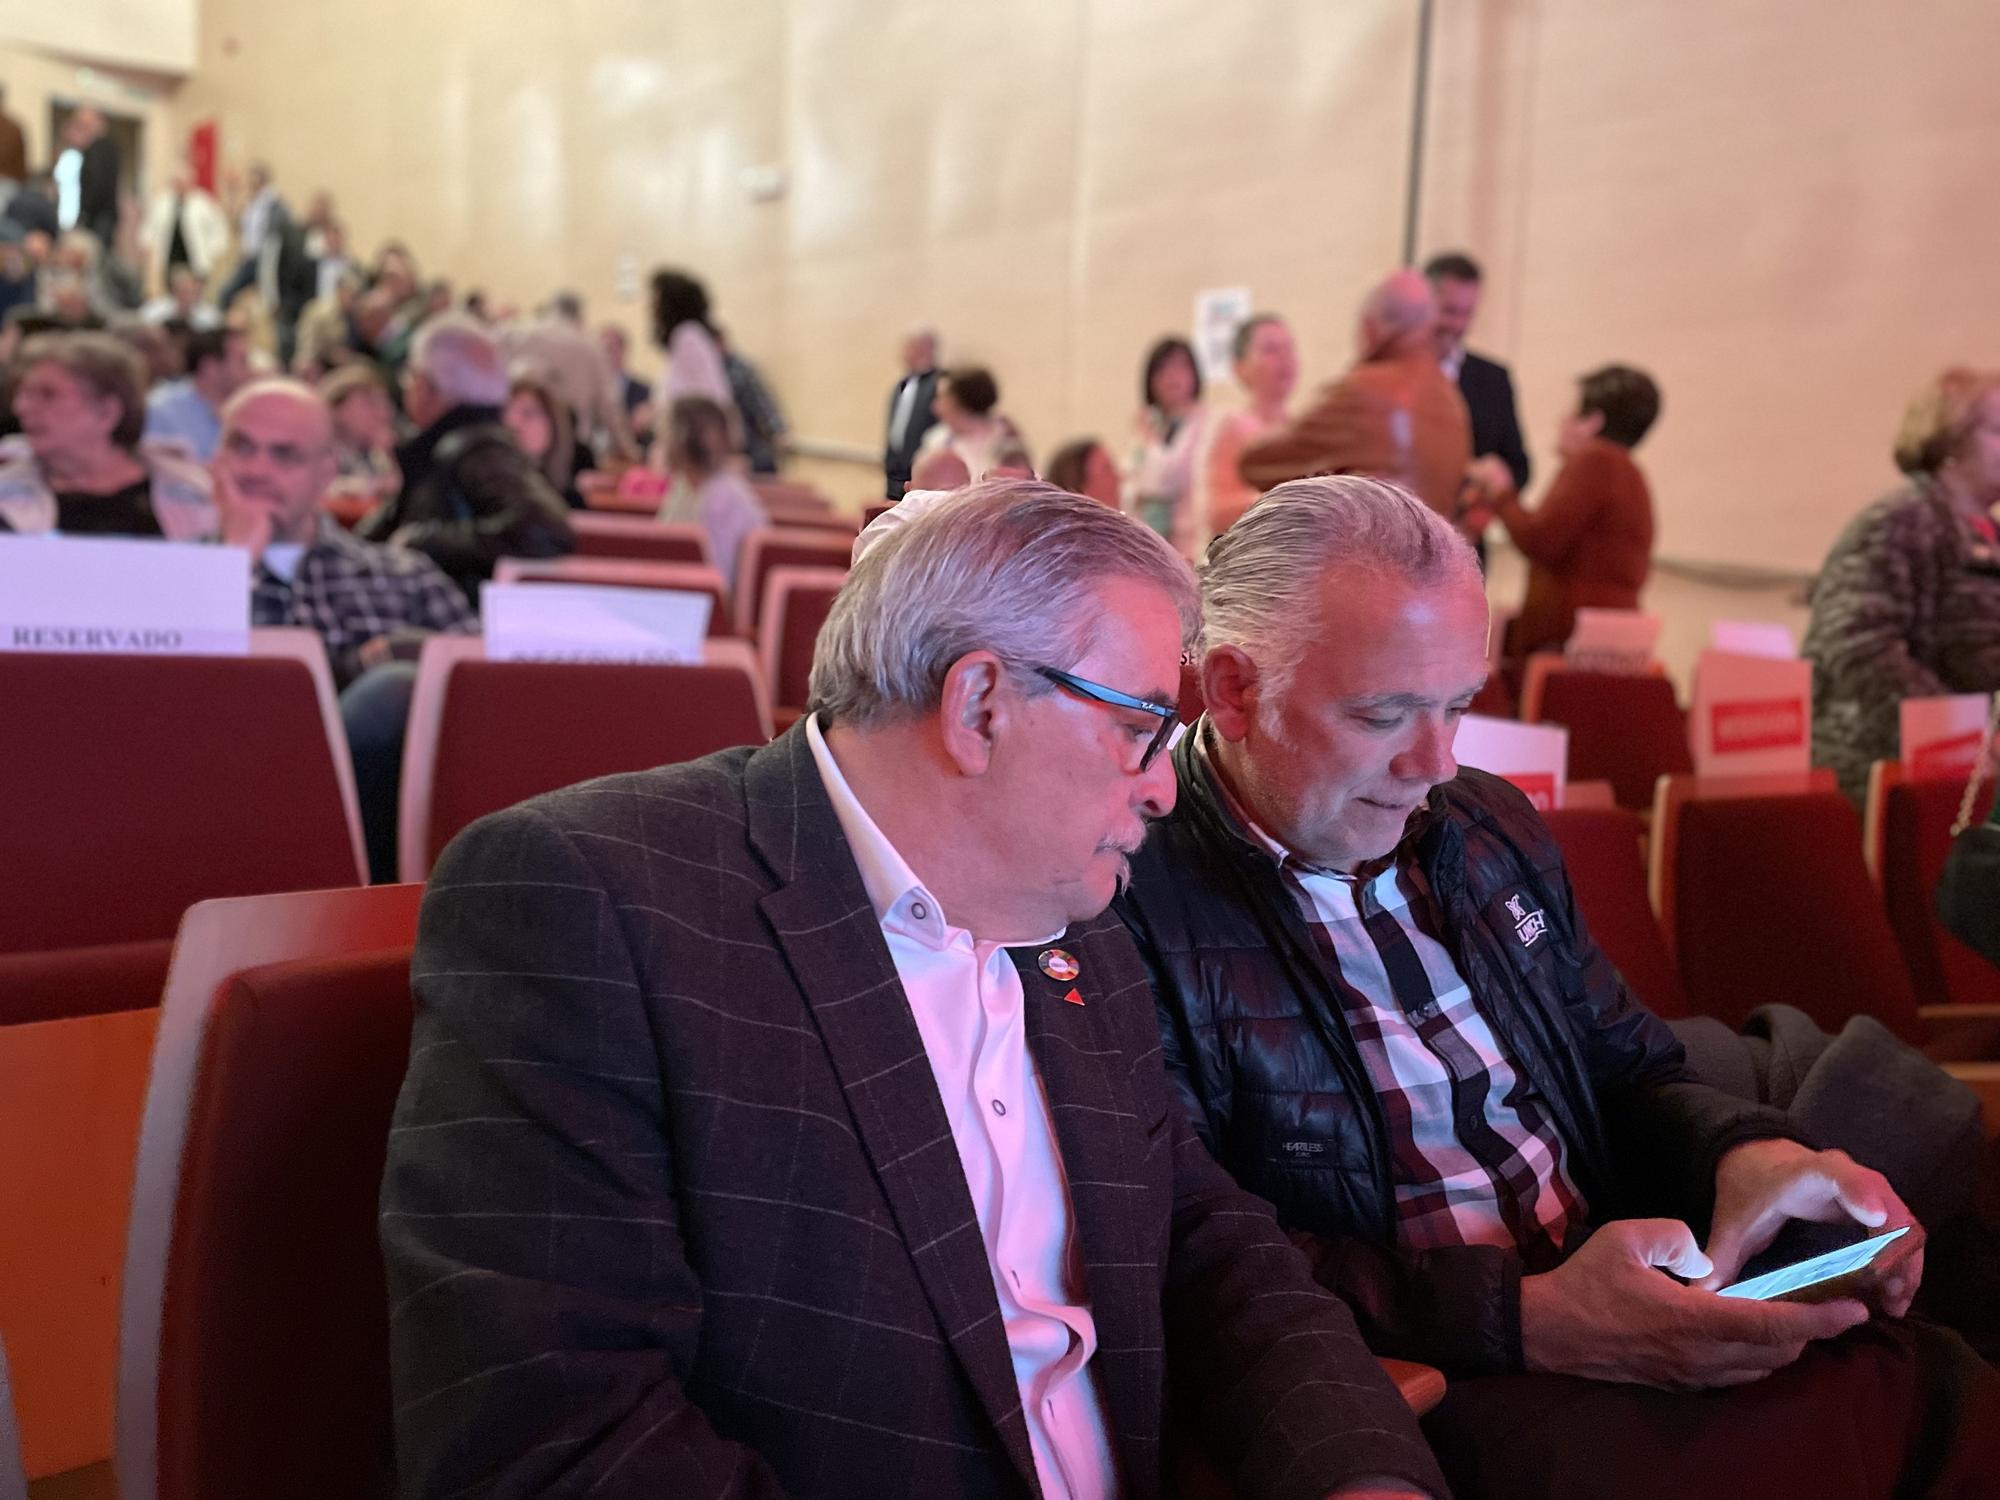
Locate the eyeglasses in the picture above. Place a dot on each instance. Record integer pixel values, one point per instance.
(1097, 692)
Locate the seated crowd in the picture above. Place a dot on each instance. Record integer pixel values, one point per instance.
(981, 1088)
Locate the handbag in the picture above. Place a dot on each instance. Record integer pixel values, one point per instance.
(1968, 893)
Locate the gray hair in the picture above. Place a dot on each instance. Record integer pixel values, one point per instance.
(460, 358)
(1003, 566)
(1260, 583)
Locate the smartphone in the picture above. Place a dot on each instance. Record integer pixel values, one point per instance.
(1850, 1271)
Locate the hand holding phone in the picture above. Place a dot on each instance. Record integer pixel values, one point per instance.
(1861, 1270)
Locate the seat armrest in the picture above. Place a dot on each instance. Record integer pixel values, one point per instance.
(1422, 1387)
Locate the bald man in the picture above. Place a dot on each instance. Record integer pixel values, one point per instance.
(1394, 415)
(373, 606)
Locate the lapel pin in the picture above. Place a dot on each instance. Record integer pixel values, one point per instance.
(1058, 965)
(1073, 997)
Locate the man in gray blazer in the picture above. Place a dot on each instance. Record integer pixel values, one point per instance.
(792, 1122)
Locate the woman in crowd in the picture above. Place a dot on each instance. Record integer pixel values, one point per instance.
(1083, 467)
(706, 490)
(78, 466)
(1171, 426)
(540, 422)
(681, 327)
(1267, 367)
(1908, 603)
(968, 423)
(364, 429)
(1589, 544)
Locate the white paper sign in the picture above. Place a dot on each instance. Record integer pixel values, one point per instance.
(1534, 757)
(1218, 313)
(1612, 640)
(1752, 715)
(1942, 736)
(1753, 638)
(116, 594)
(592, 622)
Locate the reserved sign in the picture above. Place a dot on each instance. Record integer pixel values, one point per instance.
(1534, 757)
(592, 622)
(118, 595)
(1612, 640)
(1752, 715)
(1941, 736)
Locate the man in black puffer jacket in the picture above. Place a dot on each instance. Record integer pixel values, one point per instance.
(1385, 1014)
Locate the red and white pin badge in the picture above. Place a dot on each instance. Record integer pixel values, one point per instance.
(1058, 965)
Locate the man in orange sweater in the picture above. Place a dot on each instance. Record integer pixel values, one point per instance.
(1394, 415)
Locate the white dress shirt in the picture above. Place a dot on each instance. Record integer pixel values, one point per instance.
(967, 999)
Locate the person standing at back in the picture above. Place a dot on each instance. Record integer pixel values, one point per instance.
(1267, 367)
(1485, 383)
(910, 410)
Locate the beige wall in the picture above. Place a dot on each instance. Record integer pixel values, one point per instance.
(1775, 205)
(155, 35)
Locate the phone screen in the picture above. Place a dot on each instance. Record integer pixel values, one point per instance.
(1841, 1262)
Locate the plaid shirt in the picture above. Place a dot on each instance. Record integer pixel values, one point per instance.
(351, 591)
(1477, 1159)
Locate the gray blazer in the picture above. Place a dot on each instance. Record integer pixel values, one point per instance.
(672, 1206)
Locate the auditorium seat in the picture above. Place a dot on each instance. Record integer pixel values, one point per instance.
(13, 1481)
(784, 498)
(484, 735)
(135, 786)
(880, 508)
(1763, 895)
(70, 1096)
(1602, 848)
(626, 573)
(782, 547)
(253, 1334)
(796, 603)
(1627, 730)
(639, 537)
(1907, 835)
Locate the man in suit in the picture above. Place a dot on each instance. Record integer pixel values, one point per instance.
(97, 175)
(910, 410)
(1393, 415)
(1484, 383)
(792, 1122)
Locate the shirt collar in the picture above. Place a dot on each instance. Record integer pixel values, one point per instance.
(1454, 361)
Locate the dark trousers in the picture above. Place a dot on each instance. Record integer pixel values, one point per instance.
(1891, 1409)
(375, 708)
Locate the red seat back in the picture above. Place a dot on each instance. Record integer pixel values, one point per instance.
(638, 537)
(798, 604)
(1916, 837)
(782, 547)
(1601, 847)
(1629, 731)
(134, 786)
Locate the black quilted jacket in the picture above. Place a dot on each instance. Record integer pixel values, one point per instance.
(1255, 1042)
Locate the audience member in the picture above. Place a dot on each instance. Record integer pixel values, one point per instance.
(328, 333)
(110, 289)
(78, 466)
(681, 327)
(1485, 384)
(572, 366)
(470, 497)
(87, 174)
(182, 302)
(33, 210)
(1083, 467)
(951, 1237)
(1393, 415)
(1589, 544)
(13, 145)
(188, 411)
(541, 424)
(967, 423)
(1384, 1015)
(633, 393)
(185, 230)
(1908, 602)
(939, 471)
(1267, 367)
(161, 347)
(763, 419)
(705, 489)
(260, 210)
(1171, 425)
(372, 606)
(364, 430)
(910, 405)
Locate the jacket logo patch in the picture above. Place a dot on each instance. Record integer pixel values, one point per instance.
(1303, 1148)
(1528, 925)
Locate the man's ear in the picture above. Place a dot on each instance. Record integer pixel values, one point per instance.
(1229, 687)
(972, 708)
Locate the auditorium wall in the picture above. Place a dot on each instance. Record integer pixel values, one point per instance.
(1777, 206)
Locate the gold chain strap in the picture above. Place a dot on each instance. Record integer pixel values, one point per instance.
(1981, 769)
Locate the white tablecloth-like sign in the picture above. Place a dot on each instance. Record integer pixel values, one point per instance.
(1612, 640)
(1753, 638)
(592, 622)
(1941, 736)
(1534, 757)
(113, 594)
(1752, 715)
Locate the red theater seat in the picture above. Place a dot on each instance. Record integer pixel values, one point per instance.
(626, 573)
(1627, 730)
(639, 537)
(135, 786)
(484, 735)
(1907, 831)
(253, 1349)
(1602, 850)
(796, 604)
(783, 547)
(13, 1481)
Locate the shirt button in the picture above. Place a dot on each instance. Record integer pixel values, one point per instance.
(999, 1108)
(919, 910)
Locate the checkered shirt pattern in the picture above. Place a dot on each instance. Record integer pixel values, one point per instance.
(351, 591)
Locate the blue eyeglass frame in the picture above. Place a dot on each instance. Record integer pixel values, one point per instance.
(1168, 714)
